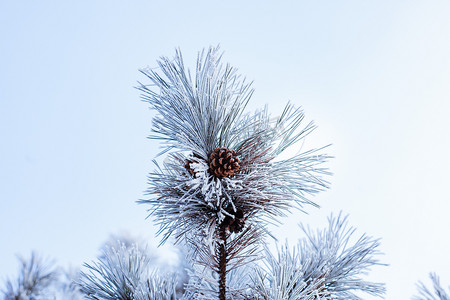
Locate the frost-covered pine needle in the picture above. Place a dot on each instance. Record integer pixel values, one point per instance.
(123, 274)
(437, 293)
(283, 278)
(203, 284)
(35, 278)
(325, 265)
(157, 288)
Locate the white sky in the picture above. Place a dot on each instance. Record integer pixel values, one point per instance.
(373, 75)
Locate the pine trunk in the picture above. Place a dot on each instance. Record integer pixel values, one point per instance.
(222, 263)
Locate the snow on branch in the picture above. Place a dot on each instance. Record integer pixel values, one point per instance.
(325, 265)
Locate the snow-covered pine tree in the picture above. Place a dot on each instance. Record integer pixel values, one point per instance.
(222, 182)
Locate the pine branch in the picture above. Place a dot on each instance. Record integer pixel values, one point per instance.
(123, 273)
(326, 265)
(438, 292)
(223, 260)
(35, 278)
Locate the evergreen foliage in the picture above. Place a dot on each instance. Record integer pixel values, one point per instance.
(438, 292)
(223, 181)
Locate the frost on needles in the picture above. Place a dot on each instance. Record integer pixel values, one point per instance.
(223, 181)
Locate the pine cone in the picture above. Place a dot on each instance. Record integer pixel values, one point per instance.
(235, 224)
(223, 162)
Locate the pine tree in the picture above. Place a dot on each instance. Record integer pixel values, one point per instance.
(224, 179)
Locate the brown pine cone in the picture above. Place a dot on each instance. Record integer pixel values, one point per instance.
(223, 162)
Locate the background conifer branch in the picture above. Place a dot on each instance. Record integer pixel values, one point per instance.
(437, 293)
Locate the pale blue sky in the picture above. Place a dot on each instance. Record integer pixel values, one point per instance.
(373, 75)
